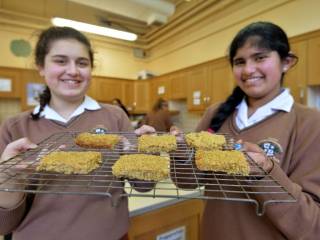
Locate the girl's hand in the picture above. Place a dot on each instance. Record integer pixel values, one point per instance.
(16, 147)
(258, 155)
(144, 129)
(177, 132)
(11, 199)
(174, 130)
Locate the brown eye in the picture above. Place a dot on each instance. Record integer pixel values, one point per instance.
(83, 63)
(60, 61)
(238, 62)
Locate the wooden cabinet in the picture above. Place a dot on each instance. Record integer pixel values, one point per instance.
(31, 86)
(220, 82)
(209, 83)
(296, 78)
(313, 61)
(10, 82)
(178, 85)
(186, 215)
(141, 94)
(197, 81)
(160, 87)
(108, 89)
(128, 94)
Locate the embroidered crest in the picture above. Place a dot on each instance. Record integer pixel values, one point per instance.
(270, 146)
(99, 129)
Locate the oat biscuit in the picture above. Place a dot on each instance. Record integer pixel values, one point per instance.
(142, 166)
(205, 140)
(70, 162)
(156, 144)
(90, 140)
(231, 162)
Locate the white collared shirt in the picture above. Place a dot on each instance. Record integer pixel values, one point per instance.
(49, 113)
(283, 102)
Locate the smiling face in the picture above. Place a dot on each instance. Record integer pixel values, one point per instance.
(258, 72)
(67, 70)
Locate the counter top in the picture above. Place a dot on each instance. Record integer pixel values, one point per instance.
(146, 202)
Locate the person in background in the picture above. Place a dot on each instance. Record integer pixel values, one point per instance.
(159, 117)
(262, 112)
(64, 58)
(118, 102)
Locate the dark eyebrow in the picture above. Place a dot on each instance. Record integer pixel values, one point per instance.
(64, 56)
(83, 58)
(260, 53)
(59, 56)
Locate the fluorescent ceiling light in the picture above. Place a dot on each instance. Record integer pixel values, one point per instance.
(85, 27)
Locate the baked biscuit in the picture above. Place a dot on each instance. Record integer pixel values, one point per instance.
(70, 162)
(142, 166)
(156, 144)
(90, 140)
(231, 162)
(205, 140)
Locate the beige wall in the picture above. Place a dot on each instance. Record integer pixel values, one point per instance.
(211, 41)
(196, 45)
(110, 60)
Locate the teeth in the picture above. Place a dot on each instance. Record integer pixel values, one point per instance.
(252, 79)
(71, 81)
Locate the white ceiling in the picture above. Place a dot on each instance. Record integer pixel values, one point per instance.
(147, 11)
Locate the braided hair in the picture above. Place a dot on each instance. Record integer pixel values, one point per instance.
(46, 39)
(263, 35)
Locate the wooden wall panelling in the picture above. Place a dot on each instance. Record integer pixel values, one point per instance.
(151, 224)
(296, 78)
(16, 82)
(313, 61)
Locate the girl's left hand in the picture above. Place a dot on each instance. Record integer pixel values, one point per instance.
(258, 155)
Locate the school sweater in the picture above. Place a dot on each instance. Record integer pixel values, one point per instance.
(298, 132)
(160, 120)
(67, 217)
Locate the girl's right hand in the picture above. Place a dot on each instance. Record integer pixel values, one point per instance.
(11, 199)
(16, 147)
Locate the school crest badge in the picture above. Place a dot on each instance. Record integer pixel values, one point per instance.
(270, 146)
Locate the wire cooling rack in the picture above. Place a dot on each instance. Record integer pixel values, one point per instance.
(185, 182)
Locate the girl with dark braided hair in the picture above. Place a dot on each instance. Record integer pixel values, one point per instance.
(64, 59)
(280, 135)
